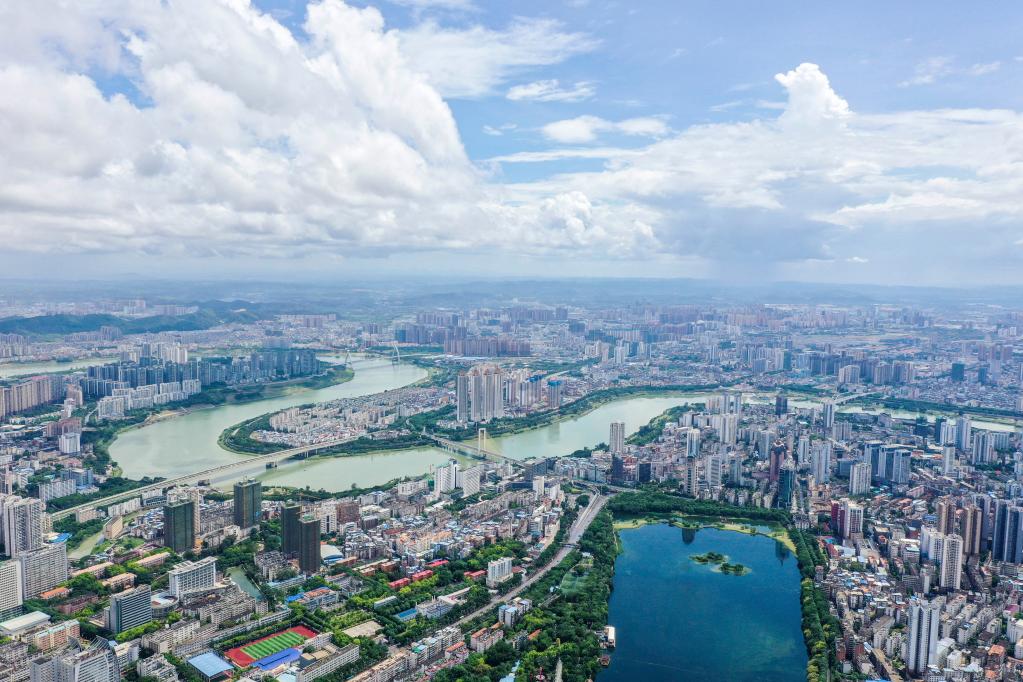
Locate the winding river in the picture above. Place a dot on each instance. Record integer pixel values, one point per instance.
(186, 443)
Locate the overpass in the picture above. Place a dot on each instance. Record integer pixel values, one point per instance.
(217, 471)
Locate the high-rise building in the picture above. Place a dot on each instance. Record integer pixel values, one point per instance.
(179, 525)
(948, 459)
(309, 557)
(462, 398)
(964, 433)
(828, 412)
(786, 485)
(922, 641)
(820, 462)
(130, 609)
(1008, 533)
(193, 576)
(859, 478)
(617, 440)
(291, 532)
(498, 571)
(946, 513)
(22, 524)
(554, 396)
(97, 663)
(952, 562)
(43, 569)
(11, 595)
(248, 503)
(781, 405)
(445, 478)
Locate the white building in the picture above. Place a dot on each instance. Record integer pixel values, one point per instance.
(193, 576)
(499, 571)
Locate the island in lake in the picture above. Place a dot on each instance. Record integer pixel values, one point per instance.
(721, 561)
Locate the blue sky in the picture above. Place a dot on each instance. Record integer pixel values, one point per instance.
(830, 141)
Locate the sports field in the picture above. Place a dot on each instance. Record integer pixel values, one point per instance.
(245, 655)
(264, 648)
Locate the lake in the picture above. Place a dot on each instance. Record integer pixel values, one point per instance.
(680, 620)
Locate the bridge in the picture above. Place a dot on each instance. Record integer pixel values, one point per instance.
(474, 451)
(241, 463)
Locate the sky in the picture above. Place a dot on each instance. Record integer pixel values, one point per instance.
(870, 142)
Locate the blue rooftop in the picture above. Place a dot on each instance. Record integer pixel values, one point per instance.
(210, 665)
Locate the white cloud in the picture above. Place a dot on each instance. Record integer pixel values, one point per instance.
(552, 91)
(451, 5)
(246, 140)
(499, 130)
(934, 69)
(586, 128)
(474, 61)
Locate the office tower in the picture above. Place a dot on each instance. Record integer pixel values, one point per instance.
(713, 466)
(948, 459)
(958, 372)
(309, 557)
(617, 441)
(22, 524)
(859, 478)
(963, 433)
(130, 609)
(617, 470)
(735, 470)
(43, 569)
(179, 526)
(1008, 536)
(777, 457)
(820, 462)
(803, 451)
(462, 398)
(193, 576)
(922, 640)
(946, 510)
(781, 405)
(11, 595)
(248, 503)
(786, 485)
(952, 562)
(291, 538)
(828, 408)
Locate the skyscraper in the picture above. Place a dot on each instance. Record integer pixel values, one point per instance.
(922, 642)
(291, 540)
(462, 398)
(309, 544)
(179, 525)
(43, 569)
(952, 562)
(617, 442)
(859, 478)
(22, 524)
(130, 609)
(248, 503)
(828, 412)
(11, 595)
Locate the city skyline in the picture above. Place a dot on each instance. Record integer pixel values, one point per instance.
(472, 139)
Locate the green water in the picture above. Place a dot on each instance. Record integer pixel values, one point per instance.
(680, 620)
(566, 436)
(19, 369)
(188, 443)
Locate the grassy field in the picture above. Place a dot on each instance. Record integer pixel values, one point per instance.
(270, 646)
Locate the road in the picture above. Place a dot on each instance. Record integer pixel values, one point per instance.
(574, 533)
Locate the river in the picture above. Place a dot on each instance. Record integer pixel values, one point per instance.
(9, 370)
(188, 443)
(676, 619)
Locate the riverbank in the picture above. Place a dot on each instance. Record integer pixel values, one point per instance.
(774, 531)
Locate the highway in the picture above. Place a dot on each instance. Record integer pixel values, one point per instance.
(246, 462)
